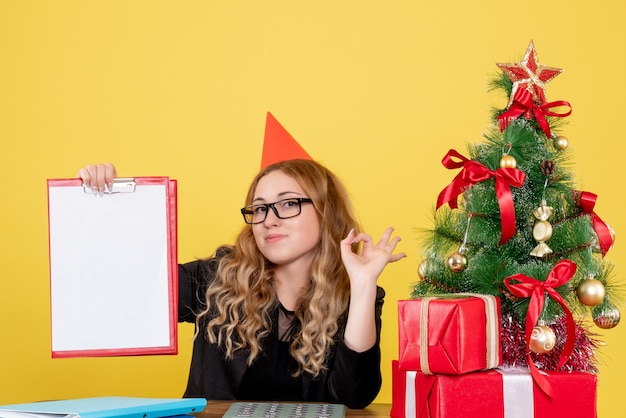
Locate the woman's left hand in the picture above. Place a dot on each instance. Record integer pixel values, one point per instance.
(370, 263)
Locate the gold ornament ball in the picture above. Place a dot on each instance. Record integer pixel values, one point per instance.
(542, 231)
(542, 339)
(606, 315)
(422, 269)
(457, 262)
(590, 292)
(561, 143)
(508, 161)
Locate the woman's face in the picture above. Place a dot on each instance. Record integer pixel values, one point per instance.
(285, 242)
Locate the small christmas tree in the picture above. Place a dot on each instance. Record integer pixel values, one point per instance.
(512, 224)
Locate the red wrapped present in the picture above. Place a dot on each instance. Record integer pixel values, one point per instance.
(451, 334)
(491, 394)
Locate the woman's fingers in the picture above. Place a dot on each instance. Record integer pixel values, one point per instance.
(98, 177)
(386, 243)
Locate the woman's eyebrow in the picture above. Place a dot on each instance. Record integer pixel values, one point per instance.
(280, 195)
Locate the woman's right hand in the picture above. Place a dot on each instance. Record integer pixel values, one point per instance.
(98, 177)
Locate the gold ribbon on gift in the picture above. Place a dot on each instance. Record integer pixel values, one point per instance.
(491, 323)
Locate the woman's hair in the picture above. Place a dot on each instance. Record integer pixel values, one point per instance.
(241, 297)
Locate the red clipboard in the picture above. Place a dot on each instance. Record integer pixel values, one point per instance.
(113, 268)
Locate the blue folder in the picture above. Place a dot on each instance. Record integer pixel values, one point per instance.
(110, 407)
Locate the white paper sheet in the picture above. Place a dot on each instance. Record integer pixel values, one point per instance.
(110, 276)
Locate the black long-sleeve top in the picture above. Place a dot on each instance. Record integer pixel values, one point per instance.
(351, 378)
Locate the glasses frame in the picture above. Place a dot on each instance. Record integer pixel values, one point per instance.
(247, 210)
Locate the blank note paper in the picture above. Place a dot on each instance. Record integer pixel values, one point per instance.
(113, 269)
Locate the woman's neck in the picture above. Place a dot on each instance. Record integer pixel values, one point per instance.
(290, 285)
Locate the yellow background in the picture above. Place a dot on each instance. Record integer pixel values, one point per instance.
(376, 90)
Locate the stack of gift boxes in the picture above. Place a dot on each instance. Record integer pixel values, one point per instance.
(450, 366)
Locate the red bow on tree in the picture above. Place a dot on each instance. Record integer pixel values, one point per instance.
(474, 172)
(605, 239)
(527, 287)
(523, 104)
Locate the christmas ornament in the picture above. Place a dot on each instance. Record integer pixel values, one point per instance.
(422, 269)
(515, 347)
(542, 231)
(590, 291)
(528, 96)
(547, 168)
(457, 261)
(542, 339)
(538, 291)
(561, 143)
(508, 161)
(530, 75)
(606, 315)
(474, 172)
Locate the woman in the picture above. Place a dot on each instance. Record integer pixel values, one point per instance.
(291, 311)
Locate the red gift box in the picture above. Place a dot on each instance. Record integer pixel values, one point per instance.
(451, 334)
(491, 394)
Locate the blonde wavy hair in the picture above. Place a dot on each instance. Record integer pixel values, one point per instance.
(241, 298)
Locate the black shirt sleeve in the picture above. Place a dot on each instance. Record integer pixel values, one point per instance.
(193, 280)
(188, 286)
(355, 378)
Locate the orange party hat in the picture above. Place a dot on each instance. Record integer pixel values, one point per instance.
(279, 145)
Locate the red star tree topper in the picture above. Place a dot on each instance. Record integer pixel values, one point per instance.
(530, 75)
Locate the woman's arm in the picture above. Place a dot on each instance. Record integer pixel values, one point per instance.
(355, 378)
(364, 270)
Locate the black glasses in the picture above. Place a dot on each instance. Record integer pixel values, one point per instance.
(283, 209)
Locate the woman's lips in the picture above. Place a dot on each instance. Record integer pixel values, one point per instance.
(274, 238)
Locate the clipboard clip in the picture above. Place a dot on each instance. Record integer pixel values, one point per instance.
(120, 185)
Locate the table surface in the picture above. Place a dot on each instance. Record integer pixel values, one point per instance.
(215, 409)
